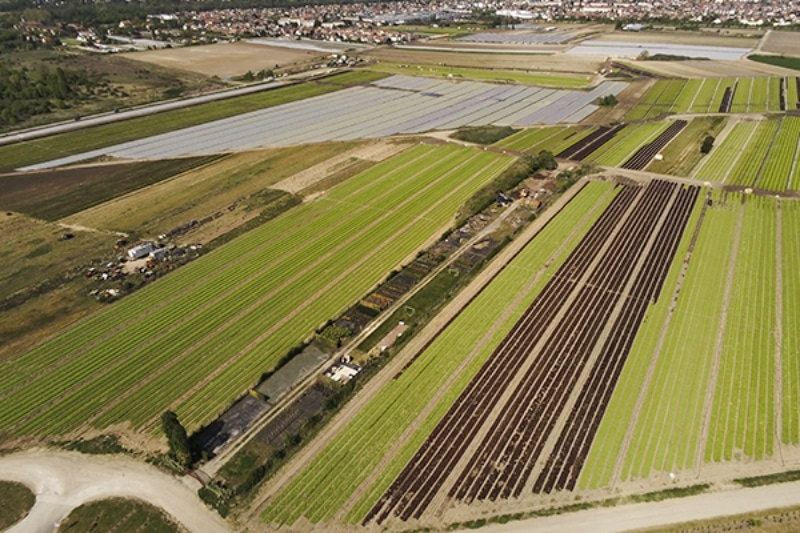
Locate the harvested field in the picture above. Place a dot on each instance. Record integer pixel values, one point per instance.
(713, 68)
(781, 42)
(54, 194)
(691, 38)
(226, 59)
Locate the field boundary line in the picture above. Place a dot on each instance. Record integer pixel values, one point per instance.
(713, 375)
(696, 94)
(778, 386)
(657, 350)
(599, 346)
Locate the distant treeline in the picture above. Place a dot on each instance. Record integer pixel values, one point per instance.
(25, 92)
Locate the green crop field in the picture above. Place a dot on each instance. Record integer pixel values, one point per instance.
(747, 167)
(741, 96)
(717, 164)
(687, 96)
(529, 139)
(700, 383)
(742, 418)
(553, 139)
(782, 156)
(705, 93)
(197, 339)
(792, 99)
(790, 325)
(619, 149)
(354, 458)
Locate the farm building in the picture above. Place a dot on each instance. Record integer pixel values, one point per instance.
(142, 250)
(158, 253)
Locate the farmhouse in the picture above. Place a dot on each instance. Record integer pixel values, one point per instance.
(142, 250)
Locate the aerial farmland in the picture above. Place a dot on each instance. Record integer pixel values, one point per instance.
(590, 277)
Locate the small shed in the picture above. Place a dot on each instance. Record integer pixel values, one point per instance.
(142, 250)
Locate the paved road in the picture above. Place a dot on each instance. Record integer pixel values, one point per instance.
(64, 480)
(646, 515)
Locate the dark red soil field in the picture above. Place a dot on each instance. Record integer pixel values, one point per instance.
(562, 359)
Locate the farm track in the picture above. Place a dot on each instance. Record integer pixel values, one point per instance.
(568, 316)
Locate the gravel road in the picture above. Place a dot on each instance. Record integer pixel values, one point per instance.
(64, 480)
(647, 515)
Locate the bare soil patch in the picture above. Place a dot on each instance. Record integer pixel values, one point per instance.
(781, 42)
(374, 151)
(226, 59)
(712, 69)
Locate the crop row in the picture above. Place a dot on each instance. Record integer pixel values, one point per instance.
(199, 307)
(142, 347)
(667, 430)
(790, 296)
(715, 167)
(620, 148)
(746, 169)
(742, 419)
(752, 95)
(781, 158)
(349, 459)
(606, 448)
(206, 279)
(529, 139)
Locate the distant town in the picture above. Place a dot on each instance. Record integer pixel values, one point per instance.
(387, 22)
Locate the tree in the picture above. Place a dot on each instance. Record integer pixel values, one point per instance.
(708, 144)
(178, 442)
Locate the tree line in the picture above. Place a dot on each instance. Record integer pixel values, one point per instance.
(27, 92)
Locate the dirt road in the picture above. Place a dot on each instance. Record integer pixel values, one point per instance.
(64, 480)
(647, 515)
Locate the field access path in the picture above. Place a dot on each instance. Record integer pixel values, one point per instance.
(63, 480)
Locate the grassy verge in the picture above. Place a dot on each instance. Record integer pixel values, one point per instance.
(483, 134)
(118, 514)
(17, 500)
(769, 479)
(778, 61)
